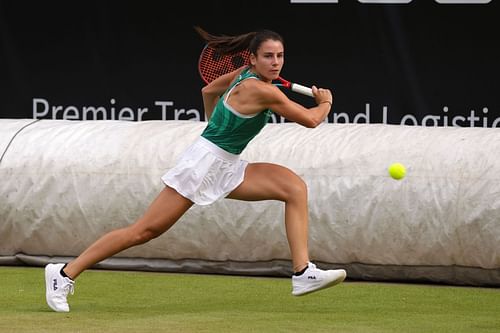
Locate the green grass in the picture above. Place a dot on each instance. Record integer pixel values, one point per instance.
(106, 301)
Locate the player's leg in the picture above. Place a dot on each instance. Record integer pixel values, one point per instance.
(163, 212)
(265, 181)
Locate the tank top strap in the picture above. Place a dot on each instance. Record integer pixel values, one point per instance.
(245, 74)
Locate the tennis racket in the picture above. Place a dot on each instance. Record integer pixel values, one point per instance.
(212, 64)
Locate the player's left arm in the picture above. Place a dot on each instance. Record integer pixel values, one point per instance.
(212, 91)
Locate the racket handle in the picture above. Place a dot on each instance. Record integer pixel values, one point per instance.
(298, 88)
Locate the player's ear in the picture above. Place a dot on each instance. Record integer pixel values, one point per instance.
(253, 59)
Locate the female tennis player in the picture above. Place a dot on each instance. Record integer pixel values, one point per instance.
(238, 106)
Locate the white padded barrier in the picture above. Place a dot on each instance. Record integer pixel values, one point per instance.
(65, 183)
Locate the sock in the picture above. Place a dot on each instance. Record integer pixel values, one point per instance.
(301, 272)
(64, 274)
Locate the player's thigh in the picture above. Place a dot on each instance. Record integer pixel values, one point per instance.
(267, 181)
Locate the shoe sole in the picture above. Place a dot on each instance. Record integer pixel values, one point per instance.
(321, 287)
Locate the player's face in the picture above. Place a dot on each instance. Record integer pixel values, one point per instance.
(269, 60)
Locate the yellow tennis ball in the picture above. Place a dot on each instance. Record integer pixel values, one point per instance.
(397, 171)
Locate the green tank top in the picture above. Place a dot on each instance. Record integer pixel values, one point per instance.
(231, 130)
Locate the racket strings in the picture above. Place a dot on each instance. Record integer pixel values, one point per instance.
(214, 64)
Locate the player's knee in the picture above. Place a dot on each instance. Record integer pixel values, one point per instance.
(296, 189)
(144, 235)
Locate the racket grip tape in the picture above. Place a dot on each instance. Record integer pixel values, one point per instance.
(298, 88)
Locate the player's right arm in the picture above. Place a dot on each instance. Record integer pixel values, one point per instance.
(212, 91)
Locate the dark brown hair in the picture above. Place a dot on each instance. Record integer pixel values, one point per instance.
(230, 44)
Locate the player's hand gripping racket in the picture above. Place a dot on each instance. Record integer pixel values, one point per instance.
(212, 64)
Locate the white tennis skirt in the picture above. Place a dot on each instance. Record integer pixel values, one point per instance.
(205, 172)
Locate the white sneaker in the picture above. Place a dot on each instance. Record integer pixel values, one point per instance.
(57, 288)
(314, 279)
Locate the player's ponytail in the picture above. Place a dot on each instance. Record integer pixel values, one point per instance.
(226, 44)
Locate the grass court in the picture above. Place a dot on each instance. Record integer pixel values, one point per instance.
(110, 301)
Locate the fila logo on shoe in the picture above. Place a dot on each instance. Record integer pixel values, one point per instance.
(55, 284)
(310, 277)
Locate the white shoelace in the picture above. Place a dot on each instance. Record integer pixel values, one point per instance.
(312, 266)
(69, 288)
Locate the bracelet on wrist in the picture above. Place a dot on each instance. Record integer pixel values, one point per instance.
(326, 102)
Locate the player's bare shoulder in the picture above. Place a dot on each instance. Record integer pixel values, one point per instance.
(262, 90)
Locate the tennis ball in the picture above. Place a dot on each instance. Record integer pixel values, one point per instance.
(397, 171)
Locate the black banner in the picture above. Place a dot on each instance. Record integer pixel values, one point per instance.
(425, 62)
